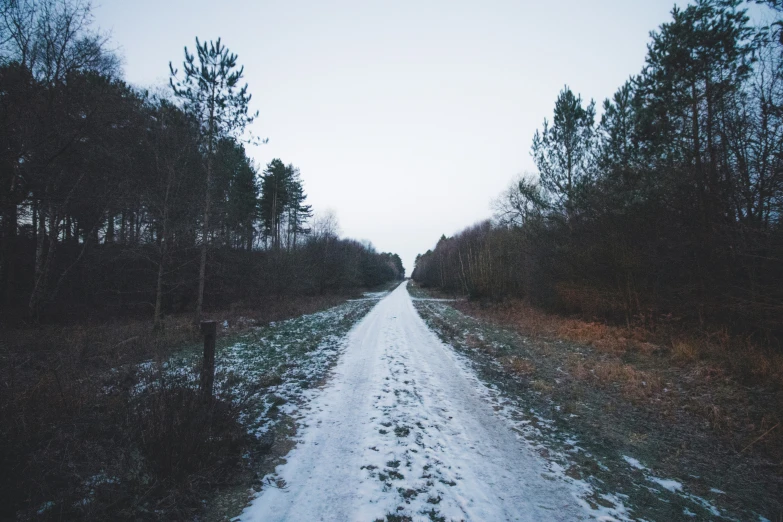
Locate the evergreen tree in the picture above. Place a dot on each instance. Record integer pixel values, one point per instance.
(774, 4)
(243, 202)
(210, 91)
(563, 152)
(298, 212)
(275, 186)
(235, 195)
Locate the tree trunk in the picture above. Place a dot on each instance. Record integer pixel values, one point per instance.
(39, 254)
(123, 222)
(43, 265)
(157, 321)
(164, 247)
(68, 230)
(109, 228)
(34, 209)
(10, 221)
(138, 228)
(202, 270)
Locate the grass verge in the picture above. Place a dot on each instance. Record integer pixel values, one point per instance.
(103, 421)
(621, 411)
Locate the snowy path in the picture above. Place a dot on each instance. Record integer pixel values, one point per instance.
(404, 424)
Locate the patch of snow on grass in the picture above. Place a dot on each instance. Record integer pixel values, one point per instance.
(671, 485)
(633, 462)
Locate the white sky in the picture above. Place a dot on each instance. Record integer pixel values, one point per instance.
(405, 117)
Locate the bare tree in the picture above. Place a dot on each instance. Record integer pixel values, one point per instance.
(521, 200)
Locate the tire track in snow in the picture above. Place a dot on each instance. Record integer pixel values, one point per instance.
(403, 429)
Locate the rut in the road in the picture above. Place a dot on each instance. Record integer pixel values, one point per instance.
(404, 428)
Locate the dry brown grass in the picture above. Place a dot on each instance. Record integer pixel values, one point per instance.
(684, 352)
(578, 367)
(719, 378)
(738, 356)
(637, 438)
(476, 343)
(518, 366)
(541, 385)
(634, 384)
(719, 396)
(473, 341)
(719, 355)
(583, 331)
(242, 315)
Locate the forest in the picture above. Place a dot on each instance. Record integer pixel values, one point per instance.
(127, 216)
(666, 210)
(118, 201)
(132, 218)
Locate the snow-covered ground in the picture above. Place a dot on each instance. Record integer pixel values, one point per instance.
(404, 428)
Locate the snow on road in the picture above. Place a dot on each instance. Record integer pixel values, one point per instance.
(403, 428)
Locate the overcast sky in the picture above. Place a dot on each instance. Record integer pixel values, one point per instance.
(406, 118)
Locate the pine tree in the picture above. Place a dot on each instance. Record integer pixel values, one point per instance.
(298, 212)
(210, 91)
(243, 202)
(235, 191)
(563, 152)
(275, 185)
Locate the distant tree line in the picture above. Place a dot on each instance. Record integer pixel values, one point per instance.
(670, 207)
(115, 200)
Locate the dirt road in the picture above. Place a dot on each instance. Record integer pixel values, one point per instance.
(403, 428)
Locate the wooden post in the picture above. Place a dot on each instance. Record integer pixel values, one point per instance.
(209, 329)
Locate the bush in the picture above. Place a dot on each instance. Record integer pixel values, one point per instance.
(127, 447)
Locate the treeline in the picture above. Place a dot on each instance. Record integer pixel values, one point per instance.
(669, 208)
(116, 200)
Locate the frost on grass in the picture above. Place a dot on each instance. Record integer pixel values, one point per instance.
(606, 484)
(270, 368)
(267, 371)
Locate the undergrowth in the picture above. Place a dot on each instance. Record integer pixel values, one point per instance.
(89, 430)
(702, 408)
(119, 454)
